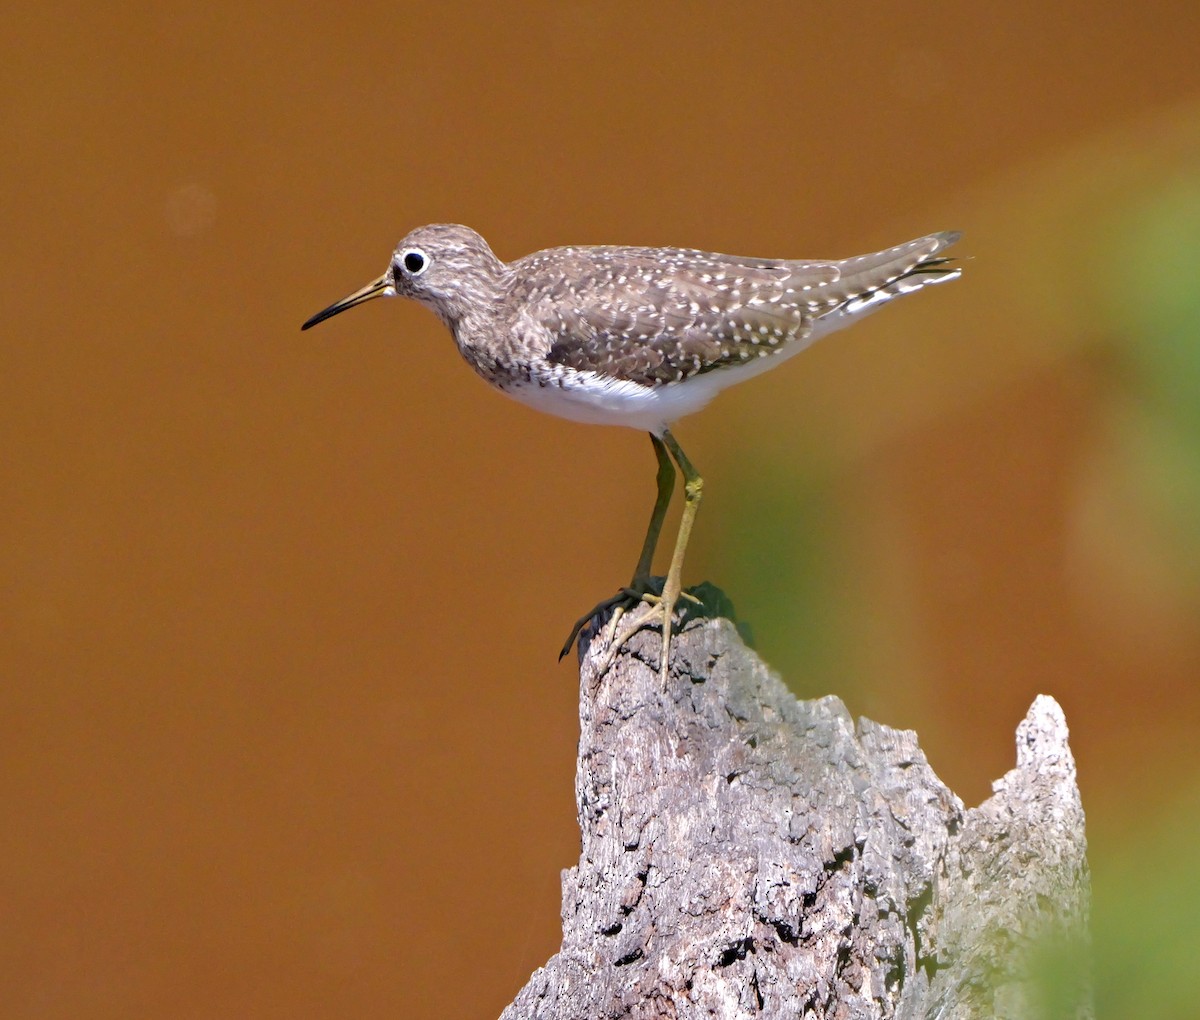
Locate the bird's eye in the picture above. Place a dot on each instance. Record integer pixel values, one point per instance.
(415, 262)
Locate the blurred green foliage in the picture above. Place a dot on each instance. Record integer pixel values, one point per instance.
(1146, 918)
(777, 560)
(1152, 291)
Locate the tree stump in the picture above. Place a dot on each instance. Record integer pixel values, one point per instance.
(746, 854)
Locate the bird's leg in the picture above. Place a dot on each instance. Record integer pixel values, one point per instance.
(666, 486)
(693, 488)
(663, 606)
(639, 587)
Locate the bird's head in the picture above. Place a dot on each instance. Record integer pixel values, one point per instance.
(448, 267)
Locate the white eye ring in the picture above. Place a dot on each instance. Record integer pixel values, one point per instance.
(414, 261)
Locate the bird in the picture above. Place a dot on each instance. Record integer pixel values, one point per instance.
(638, 337)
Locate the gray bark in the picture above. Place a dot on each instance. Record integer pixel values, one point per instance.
(745, 854)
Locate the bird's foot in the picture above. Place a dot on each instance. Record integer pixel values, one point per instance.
(622, 600)
(655, 603)
(655, 607)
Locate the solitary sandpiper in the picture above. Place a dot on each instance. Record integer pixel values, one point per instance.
(638, 337)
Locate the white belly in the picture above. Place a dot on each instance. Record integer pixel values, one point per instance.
(600, 400)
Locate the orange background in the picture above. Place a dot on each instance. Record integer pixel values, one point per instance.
(281, 728)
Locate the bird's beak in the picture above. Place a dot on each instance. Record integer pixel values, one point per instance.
(376, 288)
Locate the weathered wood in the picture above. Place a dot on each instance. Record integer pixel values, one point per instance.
(745, 854)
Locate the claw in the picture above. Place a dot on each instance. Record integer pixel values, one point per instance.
(658, 608)
(641, 590)
(583, 621)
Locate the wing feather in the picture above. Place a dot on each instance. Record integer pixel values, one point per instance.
(659, 315)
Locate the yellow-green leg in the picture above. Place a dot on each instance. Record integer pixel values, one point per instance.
(666, 486)
(639, 587)
(662, 607)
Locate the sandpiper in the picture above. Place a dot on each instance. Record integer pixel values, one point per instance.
(638, 337)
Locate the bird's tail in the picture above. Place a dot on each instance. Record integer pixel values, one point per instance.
(873, 279)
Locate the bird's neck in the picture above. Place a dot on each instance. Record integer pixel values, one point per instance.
(471, 307)
(486, 338)
(470, 322)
